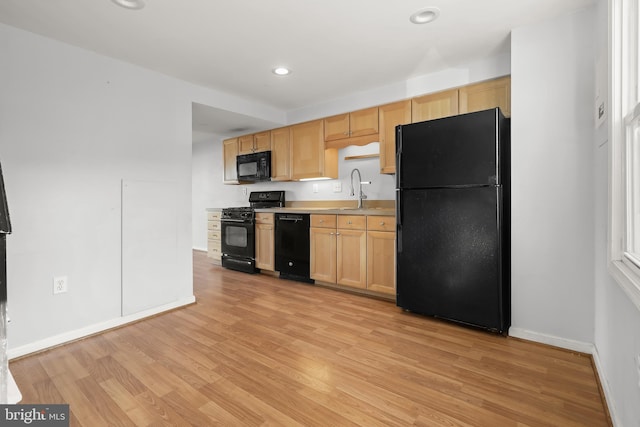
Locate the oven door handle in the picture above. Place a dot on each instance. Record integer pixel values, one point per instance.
(236, 220)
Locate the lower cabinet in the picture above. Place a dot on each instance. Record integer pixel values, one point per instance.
(351, 244)
(323, 250)
(354, 251)
(381, 254)
(265, 241)
(214, 250)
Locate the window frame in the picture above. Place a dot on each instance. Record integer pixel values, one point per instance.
(624, 42)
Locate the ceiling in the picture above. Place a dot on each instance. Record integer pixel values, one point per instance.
(333, 47)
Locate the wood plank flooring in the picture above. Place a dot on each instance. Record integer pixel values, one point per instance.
(255, 350)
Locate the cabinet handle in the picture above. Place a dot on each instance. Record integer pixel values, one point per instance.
(348, 222)
(382, 223)
(345, 133)
(337, 234)
(322, 220)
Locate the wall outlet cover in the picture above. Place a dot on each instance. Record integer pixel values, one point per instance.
(337, 187)
(60, 284)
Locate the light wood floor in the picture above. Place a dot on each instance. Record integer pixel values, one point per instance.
(256, 350)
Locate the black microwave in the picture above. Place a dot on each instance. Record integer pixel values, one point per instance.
(254, 166)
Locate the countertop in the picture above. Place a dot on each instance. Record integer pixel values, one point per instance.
(333, 211)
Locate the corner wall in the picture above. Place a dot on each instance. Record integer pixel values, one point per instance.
(73, 126)
(552, 133)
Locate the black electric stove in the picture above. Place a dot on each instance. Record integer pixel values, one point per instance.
(237, 223)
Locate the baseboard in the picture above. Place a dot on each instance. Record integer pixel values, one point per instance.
(582, 347)
(94, 329)
(200, 249)
(578, 346)
(604, 385)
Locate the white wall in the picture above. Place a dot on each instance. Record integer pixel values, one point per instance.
(73, 126)
(617, 320)
(552, 91)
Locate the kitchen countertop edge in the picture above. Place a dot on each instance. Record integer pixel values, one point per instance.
(330, 211)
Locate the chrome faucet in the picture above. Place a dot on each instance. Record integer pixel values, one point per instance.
(361, 195)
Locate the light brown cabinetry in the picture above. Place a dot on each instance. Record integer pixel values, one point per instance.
(381, 254)
(485, 95)
(338, 249)
(230, 152)
(351, 253)
(281, 154)
(434, 106)
(254, 143)
(391, 115)
(309, 158)
(213, 237)
(355, 128)
(265, 241)
(322, 238)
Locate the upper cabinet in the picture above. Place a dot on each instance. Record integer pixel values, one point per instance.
(310, 150)
(230, 152)
(355, 128)
(309, 158)
(281, 154)
(248, 144)
(391, 115)
(434, 106)
(485, 95)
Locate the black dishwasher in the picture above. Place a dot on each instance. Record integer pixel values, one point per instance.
(292, 246)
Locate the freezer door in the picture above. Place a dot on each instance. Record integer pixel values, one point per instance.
(450, 255)
(453, 151)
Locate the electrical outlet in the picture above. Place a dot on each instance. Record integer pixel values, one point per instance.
(60, 284)
(244, 191)
(315, 188)
(337, 187)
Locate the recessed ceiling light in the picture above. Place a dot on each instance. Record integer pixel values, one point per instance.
(130, 4)
(281, 71)
(424, 16)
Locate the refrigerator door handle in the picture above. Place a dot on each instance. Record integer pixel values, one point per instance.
(398, 220)
(398, 156)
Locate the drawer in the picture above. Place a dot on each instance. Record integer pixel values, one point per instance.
(352, 222)
(212, 216)
(213, 225)
(264, 217)
(214, 235)
(381, 223)
(213, 249)
(323, 221)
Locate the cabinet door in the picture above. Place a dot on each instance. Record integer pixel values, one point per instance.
(264, 244)
(308, 153)
(485, 95)
(262, 141)
(381, 265)
(434, 106)
(245, 144)
(391, 115)
(323, 254)
(363, 122)
(230, 152)
(352, 258)
(280, 154)
(336, 127)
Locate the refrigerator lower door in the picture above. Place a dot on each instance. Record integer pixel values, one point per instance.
(450, 261)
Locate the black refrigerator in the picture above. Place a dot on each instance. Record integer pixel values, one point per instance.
(453, 219)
